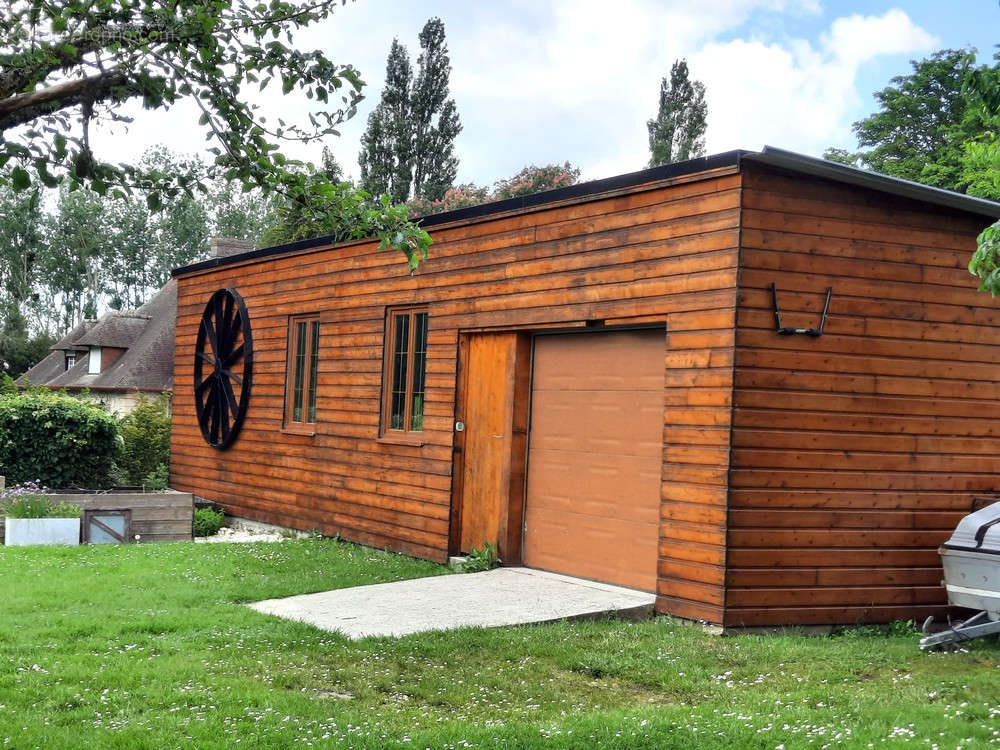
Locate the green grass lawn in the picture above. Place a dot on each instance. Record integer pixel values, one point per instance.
(148, 646)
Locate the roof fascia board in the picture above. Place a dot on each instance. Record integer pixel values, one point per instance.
(816, 167)
(647, 178)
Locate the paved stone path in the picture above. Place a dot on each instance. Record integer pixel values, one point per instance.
(505, 596)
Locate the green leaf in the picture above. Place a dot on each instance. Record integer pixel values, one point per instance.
(43, 173)
(353, 78)
(20, 179)
(60, 150)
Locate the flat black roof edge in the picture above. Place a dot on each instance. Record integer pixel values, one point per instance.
(812, 165)
(580, 190)
(583, 189)
(775, 157)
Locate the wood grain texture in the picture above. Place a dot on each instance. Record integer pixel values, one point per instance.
(854, 454)
(155, 517)
(804, 480)
(653, 255)
(488, 417)
(592, 506)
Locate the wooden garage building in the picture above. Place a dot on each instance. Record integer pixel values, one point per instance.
(593, 378)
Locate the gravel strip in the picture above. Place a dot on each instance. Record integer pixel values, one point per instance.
(242, 535)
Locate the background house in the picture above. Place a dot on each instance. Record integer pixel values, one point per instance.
(116, 358)
(594, 379)
(122, 355)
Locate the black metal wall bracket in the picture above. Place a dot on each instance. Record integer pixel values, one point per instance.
(788, 331)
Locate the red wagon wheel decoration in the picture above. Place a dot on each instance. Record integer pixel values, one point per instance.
(223, 368)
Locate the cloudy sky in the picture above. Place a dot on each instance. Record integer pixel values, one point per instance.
(543, 82)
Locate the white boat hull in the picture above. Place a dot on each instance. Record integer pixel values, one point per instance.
(973, 580)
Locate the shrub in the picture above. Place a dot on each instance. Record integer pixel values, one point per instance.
(145, 445)
(7, 387)
(531, 179)
(157, 480)
(534, 179)
(56, 440)
(460, 196)
(207, 521)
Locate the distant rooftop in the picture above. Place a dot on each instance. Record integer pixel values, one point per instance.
(117, 330)
(147, 335)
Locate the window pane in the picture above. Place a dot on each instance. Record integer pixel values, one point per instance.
(419, 371)
(115, 522)
(400, 360)
(299, 371)
(313, 370)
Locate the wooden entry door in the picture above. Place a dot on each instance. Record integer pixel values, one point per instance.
(493, 409)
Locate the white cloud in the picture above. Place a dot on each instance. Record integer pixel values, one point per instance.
(858, 39)
(582, 80)
(577, 79)
(797, 94)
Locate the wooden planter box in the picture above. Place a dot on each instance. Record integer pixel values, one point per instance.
(153, 516)
(21, 532)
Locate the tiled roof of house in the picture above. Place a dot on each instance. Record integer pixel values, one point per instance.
(147, 335)
(149, 362)
(51, 367)
(119, 330)
(74, 377)
(68, 342)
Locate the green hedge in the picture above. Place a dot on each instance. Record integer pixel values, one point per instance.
(145, 447)
(56, 440)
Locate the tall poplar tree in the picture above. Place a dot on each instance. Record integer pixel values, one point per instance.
(435, 164)
(21, 241)
(678, 131)
(331, 167)
(73, 264)
(409, 142)
(376, 157)
(387, 144)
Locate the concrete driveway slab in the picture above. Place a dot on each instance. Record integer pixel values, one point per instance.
(505, 596)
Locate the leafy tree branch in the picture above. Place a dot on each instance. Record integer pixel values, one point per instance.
(66, 65)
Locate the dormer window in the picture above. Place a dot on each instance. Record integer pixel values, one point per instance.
(70, 359)
(94, 365)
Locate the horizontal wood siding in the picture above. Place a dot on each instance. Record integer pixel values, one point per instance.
(663, 255)
(699, 385)
(855, 454)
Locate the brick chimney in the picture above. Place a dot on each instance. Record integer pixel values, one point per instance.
(223, 247)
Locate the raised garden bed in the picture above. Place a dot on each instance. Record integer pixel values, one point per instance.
(138, 516)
